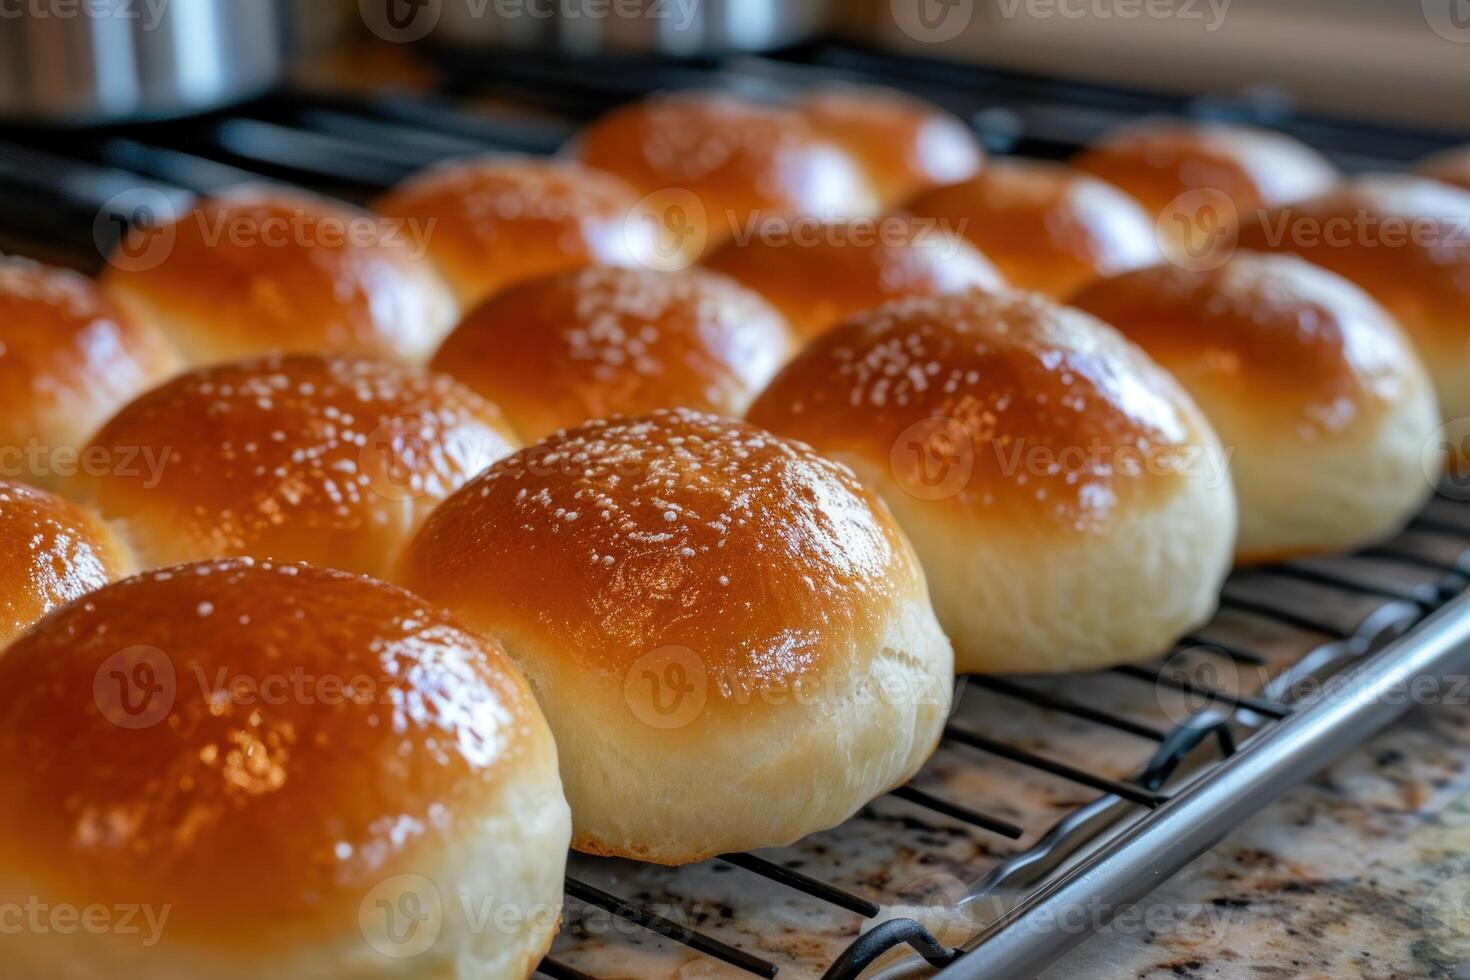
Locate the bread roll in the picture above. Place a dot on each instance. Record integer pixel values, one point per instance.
(1158, 160)
(734, 160)
(51, 552)
(1231, 170)
(1451, 166)
(252, 770)
(498, 221)
(68, 360)
(818, 273)
(730, 637)
(904, 145)
(267, 271)
(1321, 400)
(1071, 505)
(1047, 227)
(1406, 240)
(558, 351)
(332, 460)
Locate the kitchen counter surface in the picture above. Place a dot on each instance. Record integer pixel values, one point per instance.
(1363, 871)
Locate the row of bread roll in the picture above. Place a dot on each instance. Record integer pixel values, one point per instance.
(792, 606)
(377, 818)
(256, 472)
(712, 564)
(489, 224)
(344, 831)
(803, 599)
(618, 340)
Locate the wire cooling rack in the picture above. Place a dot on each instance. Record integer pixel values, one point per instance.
(1048, 794)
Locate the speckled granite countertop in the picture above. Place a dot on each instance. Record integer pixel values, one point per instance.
(1362, 872)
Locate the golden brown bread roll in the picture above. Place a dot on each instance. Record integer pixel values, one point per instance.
(1157, 161)
(819, 272)
(1047, 227)
(731, 638)
(498, 221)
(1071, 505)
(51, 552)
(1232, 171)
(275, 770)
(1321, 400)
(332, 460)
(738, 159)
(903, 144)
(69, 358)
(1406, 240)
(268, 271)
(555, 352)
(1451, 166)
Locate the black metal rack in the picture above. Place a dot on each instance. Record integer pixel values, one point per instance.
(1170, 726)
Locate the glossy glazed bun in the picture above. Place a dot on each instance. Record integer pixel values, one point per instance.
(1071, 505)
(51, 552)
(1319, 397)
(817, 273)
(1451, 166)
(738, 159)
(281, 771)
(265, 271)
(903, 144)
(556, 352)
(731, 638)
(498, 221)
(1405, 240)
(331, 460)
(68, 359)
(1236, 169)
(1047, 227)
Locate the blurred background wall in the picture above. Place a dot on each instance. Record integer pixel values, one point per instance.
(1395, 59)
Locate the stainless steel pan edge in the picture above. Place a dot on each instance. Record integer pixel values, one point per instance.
(90, 61)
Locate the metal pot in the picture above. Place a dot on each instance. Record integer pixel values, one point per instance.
(583, 27)
(90, 61)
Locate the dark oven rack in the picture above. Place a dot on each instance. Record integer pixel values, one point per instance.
(1047, 792)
